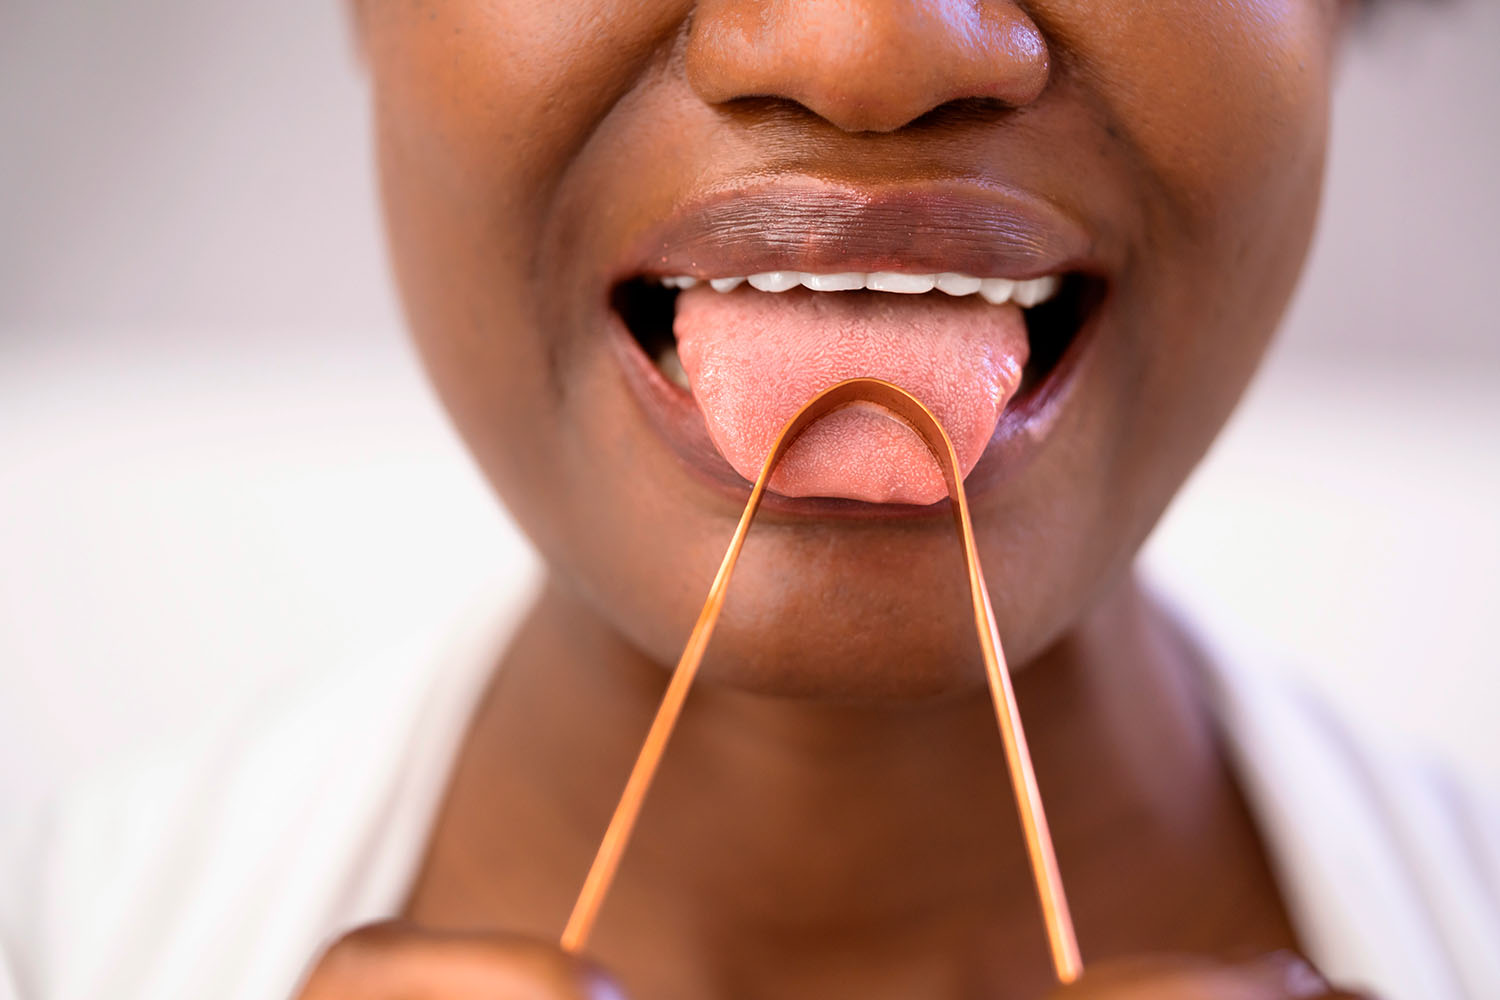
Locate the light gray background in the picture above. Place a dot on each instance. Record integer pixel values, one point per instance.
(221, 471)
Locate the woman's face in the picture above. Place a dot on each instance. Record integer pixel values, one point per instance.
(545, 164)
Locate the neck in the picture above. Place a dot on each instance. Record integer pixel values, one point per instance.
(781, 832)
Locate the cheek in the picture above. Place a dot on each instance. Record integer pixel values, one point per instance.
(1221, 99)
(498, 95)
(1229, 117)
(480, 109)
(1216, 114)
(1218, 110)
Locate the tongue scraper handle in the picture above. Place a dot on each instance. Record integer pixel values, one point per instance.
(1059, 924)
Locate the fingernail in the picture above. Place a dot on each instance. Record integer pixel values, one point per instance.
(1292, 974)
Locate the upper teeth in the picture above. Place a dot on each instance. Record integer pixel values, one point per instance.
(996, 290)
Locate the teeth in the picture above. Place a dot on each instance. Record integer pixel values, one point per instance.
(775, 281)
(958, 284)
(848, 281)
(670, 365)
(998, 291)
(907, 284)
(1029, 293)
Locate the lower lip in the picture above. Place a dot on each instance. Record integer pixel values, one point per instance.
(1023, 428)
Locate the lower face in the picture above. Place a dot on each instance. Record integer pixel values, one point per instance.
(550, 186)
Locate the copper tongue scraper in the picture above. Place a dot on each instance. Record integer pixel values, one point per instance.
(1060, 936)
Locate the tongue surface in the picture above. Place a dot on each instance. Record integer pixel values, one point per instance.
(754, 358)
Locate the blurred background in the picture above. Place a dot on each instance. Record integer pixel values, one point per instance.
(220, 469)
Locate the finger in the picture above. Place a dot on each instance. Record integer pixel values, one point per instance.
(1278, 976)
(389, 960)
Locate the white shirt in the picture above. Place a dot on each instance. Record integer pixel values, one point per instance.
(217, 874)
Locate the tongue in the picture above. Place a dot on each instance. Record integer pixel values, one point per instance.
(754, 358)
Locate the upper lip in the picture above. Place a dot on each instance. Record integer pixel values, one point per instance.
(805, 224)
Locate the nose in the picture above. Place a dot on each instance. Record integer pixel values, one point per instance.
(866, 65)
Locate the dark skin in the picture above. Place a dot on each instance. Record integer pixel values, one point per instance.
(833, 817)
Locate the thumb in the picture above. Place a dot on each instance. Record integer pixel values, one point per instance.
(1281, 975)
(400, 961)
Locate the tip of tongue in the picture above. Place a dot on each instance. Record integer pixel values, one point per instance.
(860, 453)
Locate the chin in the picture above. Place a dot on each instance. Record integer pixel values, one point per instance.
(854, 675)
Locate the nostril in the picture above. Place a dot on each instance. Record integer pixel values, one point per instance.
(862, 65)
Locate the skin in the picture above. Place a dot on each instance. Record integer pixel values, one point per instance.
(833, 818)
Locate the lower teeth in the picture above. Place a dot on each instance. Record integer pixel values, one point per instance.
(671, 366)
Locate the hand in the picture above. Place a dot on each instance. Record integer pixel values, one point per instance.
(397, 960)
(1279, 976)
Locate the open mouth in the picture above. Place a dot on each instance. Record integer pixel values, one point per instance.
(1054, 308)
(1026, 330)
